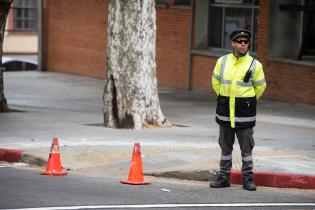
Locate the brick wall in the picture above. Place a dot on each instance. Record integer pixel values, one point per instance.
(286, 80)
(76, 44)
(263, 31)
(76, 36)
(76, 41)
(172, 58)
(290, 82)
(202, 67)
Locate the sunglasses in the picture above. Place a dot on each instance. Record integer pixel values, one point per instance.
(240, 41)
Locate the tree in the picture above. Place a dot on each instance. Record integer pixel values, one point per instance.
(4, 10)
(130, 94)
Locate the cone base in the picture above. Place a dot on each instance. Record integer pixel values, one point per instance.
(134, 183)
(59, 173)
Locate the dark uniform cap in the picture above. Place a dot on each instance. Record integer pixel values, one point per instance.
(240, 33)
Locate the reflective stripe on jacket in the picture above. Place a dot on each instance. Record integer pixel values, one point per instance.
(236, 104)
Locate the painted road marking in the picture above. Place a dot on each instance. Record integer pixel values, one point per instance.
(12, 165)
(175, 206)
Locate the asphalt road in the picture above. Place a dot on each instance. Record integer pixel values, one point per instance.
(23, 187)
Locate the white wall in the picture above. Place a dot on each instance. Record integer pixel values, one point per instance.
(20, 43)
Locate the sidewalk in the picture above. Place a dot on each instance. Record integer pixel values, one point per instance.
(70, 108)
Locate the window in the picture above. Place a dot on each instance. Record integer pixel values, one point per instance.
(175, 2)
(228, 15)
(292, 30)
(182, 2)
(25, 15)
(161, 2)
(308, 30)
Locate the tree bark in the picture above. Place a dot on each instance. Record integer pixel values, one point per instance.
(130, 94)
(4, 10)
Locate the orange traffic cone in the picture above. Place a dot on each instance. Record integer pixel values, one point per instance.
(53, 167)
(135, 172)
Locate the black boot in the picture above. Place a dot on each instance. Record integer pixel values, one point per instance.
(249, 185)
(220, 182)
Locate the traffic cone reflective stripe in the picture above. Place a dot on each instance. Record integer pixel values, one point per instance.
(53, 167)
(136, 172)
(54, 146)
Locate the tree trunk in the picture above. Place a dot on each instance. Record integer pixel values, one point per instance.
(4, 10)
(130, 94)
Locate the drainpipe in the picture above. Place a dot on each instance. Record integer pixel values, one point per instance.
(40, 35)
(190, 45)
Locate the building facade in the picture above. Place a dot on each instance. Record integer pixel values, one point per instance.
(21, 34)
(191, 36)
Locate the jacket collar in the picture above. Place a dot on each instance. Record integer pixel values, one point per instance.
(242, 58)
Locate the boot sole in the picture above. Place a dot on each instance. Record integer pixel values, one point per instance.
(220, 186)
(249, 189)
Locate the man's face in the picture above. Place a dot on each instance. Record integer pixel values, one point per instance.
(241, 45)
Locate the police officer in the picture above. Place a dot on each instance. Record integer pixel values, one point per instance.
(238, 80)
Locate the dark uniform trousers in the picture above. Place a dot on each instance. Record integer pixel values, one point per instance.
(246, 142)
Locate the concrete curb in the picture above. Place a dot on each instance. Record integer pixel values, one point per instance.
(10, 155)
(16, 156)
(279, 180)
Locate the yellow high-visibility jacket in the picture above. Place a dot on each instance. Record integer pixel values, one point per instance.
(237, 100)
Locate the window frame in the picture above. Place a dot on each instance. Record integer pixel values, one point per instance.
(25, 19)
(179, 4)
(161, 3)
(254, 9)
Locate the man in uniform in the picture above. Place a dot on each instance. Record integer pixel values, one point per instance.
(238, 80)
